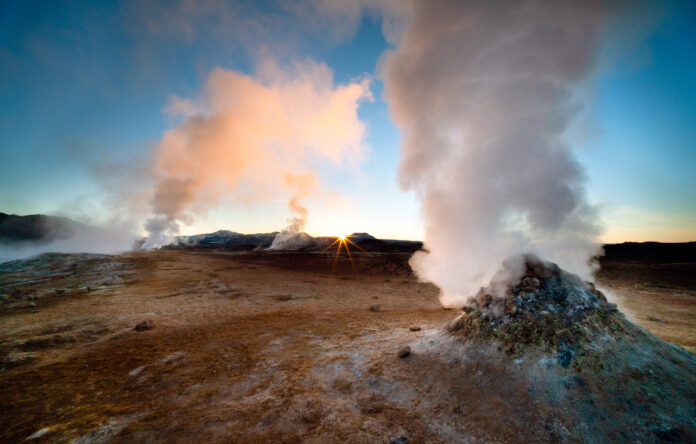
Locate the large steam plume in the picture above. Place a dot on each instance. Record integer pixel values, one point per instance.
(248, 138)
(483, 94)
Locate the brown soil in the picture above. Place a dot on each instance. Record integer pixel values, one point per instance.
(261, 347)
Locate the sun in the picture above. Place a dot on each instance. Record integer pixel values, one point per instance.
(342, 242)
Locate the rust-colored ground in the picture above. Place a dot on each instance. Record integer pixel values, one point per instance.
(258, 347)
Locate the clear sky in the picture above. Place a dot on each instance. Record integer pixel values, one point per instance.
(84, 85)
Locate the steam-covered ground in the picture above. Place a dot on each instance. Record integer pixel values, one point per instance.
(282, 347)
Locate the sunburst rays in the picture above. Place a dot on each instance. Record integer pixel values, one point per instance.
(342, 242)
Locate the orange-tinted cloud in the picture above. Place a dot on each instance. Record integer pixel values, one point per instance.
(246, 136)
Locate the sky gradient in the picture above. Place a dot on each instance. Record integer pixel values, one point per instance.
(84, 87)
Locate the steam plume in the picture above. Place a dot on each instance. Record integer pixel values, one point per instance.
(249, 138)
(483, 93)
(293, 237)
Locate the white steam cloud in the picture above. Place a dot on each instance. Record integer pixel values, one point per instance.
(251, 138)
(483, 94)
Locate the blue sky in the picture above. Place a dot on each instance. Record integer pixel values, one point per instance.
(641, 163)
(85, 83)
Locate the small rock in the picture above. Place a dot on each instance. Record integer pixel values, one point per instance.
(669, 434)
(136, 371)
(117, 336)
(510, 306)
(459, 323)
(404, 352)
(530, 284)
(39, 433)
(398, 440)
(483, 298)
(17, 359)
(374, 307)
(414, 328)
(37, 343)
(565, 357)
(60, 339)
(147, 324)
(375, 297)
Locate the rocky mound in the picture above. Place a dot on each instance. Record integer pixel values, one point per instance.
(547, 307)
(605, 379)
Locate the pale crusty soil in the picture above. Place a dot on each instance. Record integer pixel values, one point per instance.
(660, 297)
(261, 347)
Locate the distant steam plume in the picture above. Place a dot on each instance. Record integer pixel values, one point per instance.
(483, 93)
(293, 237)
(249, 138)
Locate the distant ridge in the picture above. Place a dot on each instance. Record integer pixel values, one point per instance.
(35, 228)
(40, 228)
(225, 239)
(652, 251)
(636, 251)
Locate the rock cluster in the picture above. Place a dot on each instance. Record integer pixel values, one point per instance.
(546, 306)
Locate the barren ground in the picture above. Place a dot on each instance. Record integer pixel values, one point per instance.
(660, 297)
(265, 347)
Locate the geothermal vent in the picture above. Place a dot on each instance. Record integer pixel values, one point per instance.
(547, 307)
(602, 378)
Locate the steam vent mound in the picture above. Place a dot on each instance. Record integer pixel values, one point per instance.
(604, 378)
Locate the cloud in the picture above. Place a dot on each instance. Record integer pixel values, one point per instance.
(255, 137)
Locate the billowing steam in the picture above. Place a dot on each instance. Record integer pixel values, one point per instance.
(293, 237)
(251, 138)
(483, 94)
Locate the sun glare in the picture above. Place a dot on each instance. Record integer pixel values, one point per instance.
(342, 242)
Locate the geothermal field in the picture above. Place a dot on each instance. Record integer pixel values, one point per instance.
(519, 178)
(242, 345)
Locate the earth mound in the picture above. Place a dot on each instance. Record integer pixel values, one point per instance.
(547, 307)
(604, 378)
